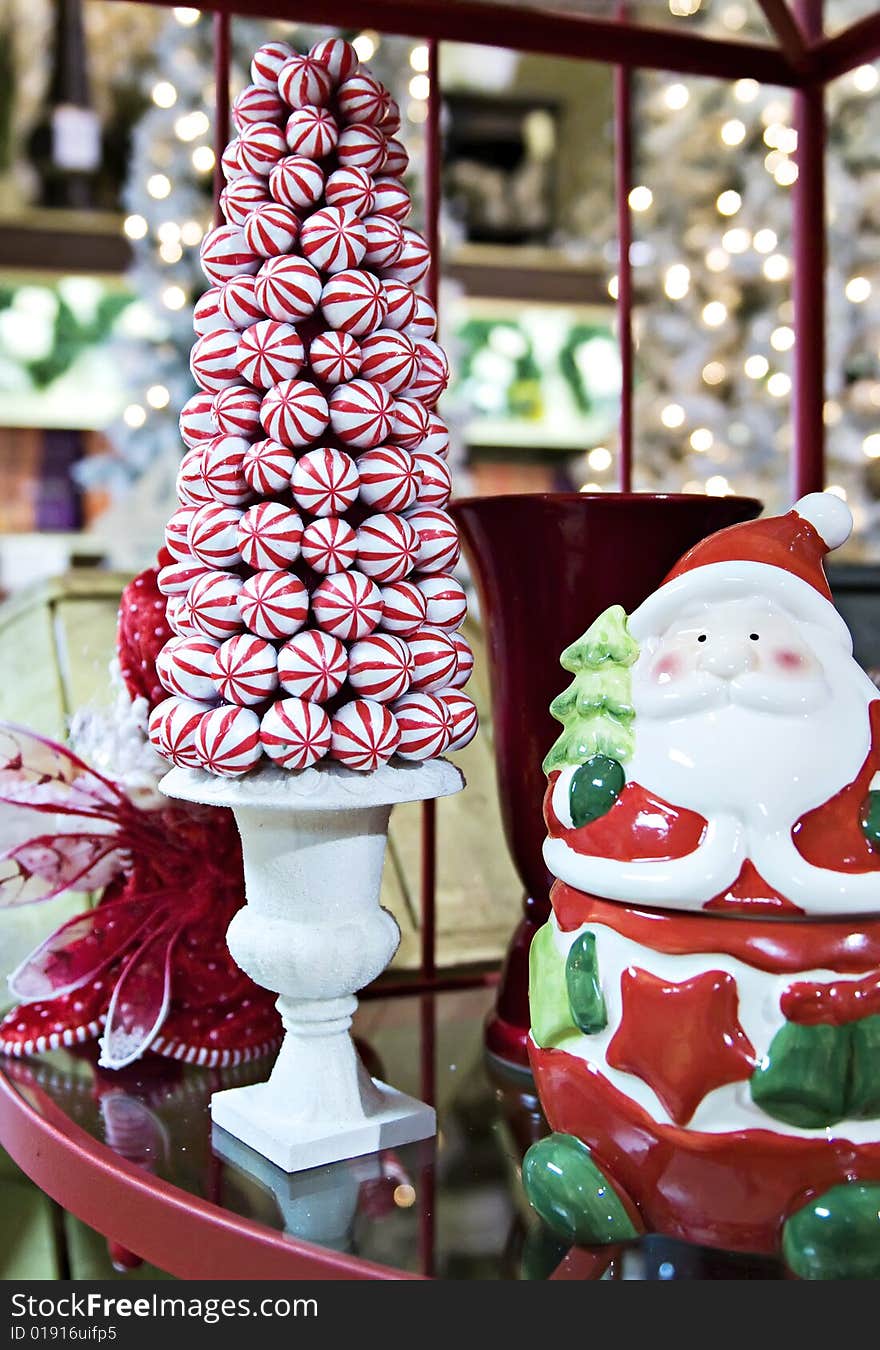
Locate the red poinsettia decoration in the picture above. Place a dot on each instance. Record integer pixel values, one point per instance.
(149, 963)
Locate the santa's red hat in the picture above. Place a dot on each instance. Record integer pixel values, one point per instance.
(779, 557)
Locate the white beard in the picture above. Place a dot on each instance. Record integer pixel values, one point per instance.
(727, 750)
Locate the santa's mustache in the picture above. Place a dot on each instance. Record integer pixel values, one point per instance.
(757, 690)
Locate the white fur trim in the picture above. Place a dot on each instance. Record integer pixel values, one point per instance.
(828, 514)
(736, 581)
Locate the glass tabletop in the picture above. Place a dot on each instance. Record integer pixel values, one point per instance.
(451, 1207)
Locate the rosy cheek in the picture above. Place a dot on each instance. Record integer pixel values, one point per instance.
(788, 661)
(667, 669)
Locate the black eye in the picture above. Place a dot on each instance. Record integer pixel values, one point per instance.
(753, 637)
(702, 637)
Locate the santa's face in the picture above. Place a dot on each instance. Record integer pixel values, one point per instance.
(743, 652)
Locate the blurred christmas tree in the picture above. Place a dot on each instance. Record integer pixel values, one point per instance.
(713, 261)
(169, 208)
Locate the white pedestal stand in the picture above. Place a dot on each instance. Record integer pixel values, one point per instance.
(313, 929)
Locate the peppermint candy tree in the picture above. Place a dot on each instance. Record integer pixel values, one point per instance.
(308, 565)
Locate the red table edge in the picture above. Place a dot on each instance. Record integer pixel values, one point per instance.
(181, 1234)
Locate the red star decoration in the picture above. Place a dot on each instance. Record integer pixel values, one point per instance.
(683, 1039)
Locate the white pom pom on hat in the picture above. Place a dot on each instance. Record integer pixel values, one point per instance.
(829, 516)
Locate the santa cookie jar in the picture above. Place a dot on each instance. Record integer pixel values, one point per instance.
(706, 996)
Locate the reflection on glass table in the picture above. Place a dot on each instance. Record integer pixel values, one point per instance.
(452, 1208)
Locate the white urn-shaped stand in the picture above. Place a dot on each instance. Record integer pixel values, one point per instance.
(313, 930)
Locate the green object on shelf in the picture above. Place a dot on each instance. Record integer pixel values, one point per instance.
(836, 1236)
(802, 1079)
(572, 1195)
(548, 993)
(584, 990)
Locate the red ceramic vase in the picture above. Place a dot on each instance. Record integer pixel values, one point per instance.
(546, 565)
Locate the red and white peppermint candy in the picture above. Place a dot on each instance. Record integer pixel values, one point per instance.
(414, 260)
(361, 98)
(156, 728)
(269, 352)
(245, 670)
(333, 239)
(425, 723)
(288, 289)
(435, 488)
(184, 668)
(409, 422)
(269, 536)
(230, 162)
(364, 735)
(311, 132)
(380, 667)
(196, 421)
(389, 358)
(465, 719)
(404, 608)
(222, 470)
(347, 604)
(271, 229)
(303, 81)
(296, 181)
(387, 547)
(177, 721)
(177, 533)
(432, 375)
(439, 548)
(360, 413)
(213, 602)
(465, 658)
(191, 487)
(446, 600)
(260, 146)
(238, 301)
(400, 301)
(208, 317)
(338, 56)
(361, 147)
(267, 467)
(423, 326)
(389, 478)
(384, 241)
(295, 734)
(243, 196)
(224, 254)
(390, 124)
(178, 578)
(329, 545)
(273, 604)
(396, 158)
(312, 665)
(435, 660)
(325, 482)
(354, 302)
(295, 413)
(228, 741)
(351, 188)
(178, 616)
(392, 199)
(268, 62)
(237, 411)
(256, 103)
(212, 360)
(436, 440)
(334, 357)
(212, 536)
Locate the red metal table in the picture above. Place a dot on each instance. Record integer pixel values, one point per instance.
(132, 1154)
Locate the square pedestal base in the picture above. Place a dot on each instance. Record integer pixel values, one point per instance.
(294, 1147)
